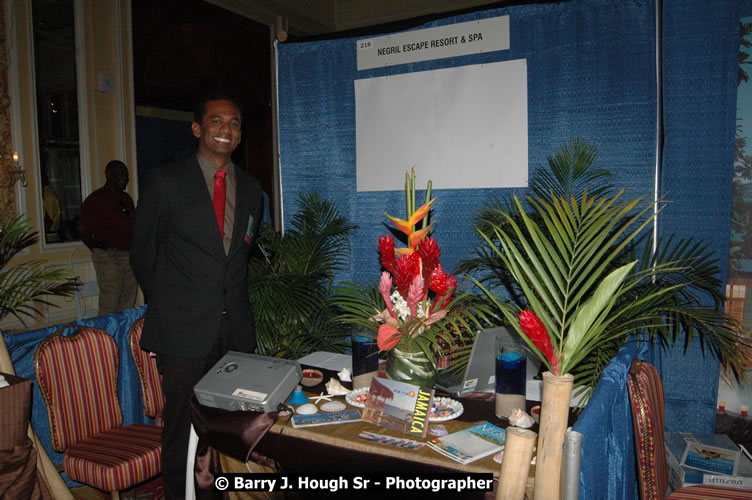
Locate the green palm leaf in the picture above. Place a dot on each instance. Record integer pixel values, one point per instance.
(27, 286)
(290, 281)
(570, 254)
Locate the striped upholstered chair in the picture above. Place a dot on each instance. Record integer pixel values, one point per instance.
(151, 382)
(646, 398)
(77, 376)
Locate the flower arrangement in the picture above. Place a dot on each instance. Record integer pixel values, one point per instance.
(415, 305)
(411, 307)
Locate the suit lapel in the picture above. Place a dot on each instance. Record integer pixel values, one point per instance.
(240, 219)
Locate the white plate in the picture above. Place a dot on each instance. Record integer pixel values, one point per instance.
(350, 397)
(453, 408)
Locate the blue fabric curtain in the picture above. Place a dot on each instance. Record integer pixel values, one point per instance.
(700, 46)
(21, 347)
(591, 74)
(608, 456)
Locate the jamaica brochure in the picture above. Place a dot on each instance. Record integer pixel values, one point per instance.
(398, 406)
(471, 444)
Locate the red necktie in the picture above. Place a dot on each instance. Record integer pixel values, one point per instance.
(218, 199)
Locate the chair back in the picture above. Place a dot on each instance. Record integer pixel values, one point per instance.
(646, 398)
(77, 376)
(146, 365)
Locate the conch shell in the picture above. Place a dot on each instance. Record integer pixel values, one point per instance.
(334, 387)
(519, 418)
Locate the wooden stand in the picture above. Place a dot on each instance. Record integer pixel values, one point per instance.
(557, 392)
(516, 464)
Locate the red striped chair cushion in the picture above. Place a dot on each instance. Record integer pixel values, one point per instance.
(646, 398)
(77, 377)
(710, 493)
(151, 383)
(116, 459)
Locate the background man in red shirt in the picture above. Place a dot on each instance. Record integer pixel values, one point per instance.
(105, 226)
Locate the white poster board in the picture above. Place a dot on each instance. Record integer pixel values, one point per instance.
(463, 127)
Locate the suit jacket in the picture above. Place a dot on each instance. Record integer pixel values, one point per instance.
(179, 261)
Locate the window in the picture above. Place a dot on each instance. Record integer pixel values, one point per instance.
(57, 101)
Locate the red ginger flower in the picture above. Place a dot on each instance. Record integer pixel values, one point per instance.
(533, 328)
(429, 252)
(385, 288)
(386, 250)
(403, 275)
(439, 281)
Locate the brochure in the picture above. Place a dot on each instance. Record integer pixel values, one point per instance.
(398, 406)
(326, 418)
(685, 472)
(471, 444)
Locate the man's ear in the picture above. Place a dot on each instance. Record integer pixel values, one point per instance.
(196, 128)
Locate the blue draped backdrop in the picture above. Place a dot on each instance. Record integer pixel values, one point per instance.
(591, 74)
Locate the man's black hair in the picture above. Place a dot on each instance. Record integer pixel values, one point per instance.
(213, 95)
(112, 164)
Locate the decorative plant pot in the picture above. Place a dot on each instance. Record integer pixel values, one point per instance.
(411, 367)
(557, 392)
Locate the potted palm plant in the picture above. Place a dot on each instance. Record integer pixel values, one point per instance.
(576, 291)
(290, 280)
(27, 286)
(580, 257)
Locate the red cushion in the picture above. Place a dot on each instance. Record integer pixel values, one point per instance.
(709, 493)
(151, 383)
(646, 398)
(77, 376)
(116, 459)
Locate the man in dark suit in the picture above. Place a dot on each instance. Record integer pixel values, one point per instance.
(194, 226)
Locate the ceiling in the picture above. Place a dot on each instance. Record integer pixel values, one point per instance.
(302, 18)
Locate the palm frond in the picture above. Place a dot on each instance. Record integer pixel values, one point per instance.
(290, 280)
(27, 286)
(570, 253)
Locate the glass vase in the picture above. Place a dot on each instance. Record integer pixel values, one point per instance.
(411, 367)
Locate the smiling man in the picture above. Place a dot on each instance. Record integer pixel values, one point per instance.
(194, 226)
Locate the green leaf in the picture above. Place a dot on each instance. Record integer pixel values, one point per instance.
(601, 301)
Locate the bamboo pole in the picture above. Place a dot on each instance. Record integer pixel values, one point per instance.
(516, 464)
(557, 391)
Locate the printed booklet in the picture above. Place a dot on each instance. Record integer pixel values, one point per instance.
(471, 444)
(326, 418)
(706, 458)
(398, 406)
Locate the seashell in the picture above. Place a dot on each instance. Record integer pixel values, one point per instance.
(345, 375)
(311, 377)
(535, 412)
(307, 409)
(333, 406)
(335, 388)
(519, 418)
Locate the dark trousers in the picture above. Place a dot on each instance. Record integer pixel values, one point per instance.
(179, 376)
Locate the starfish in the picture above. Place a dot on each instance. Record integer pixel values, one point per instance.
(319, 398)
